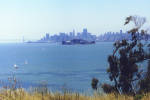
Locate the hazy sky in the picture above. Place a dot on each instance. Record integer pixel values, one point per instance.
(33, 18)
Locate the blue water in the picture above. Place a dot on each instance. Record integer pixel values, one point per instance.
(58, 65)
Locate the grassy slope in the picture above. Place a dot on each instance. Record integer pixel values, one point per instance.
(20, 94)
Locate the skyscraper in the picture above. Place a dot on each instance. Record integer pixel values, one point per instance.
(73, 33)
(47, 36)
(85, 30)
(84, 34)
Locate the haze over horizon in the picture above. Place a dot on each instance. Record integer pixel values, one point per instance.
(32, 19)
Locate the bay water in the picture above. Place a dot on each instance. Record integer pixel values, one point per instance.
(59, 66)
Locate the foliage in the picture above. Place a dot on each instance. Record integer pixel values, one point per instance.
(108, 88)
(138, 97)
(94, 83)
(145, 83)
(124, 69)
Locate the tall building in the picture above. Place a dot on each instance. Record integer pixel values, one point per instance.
(78, 35)
(73, 33)
(47, 36)
(85, 30)
(84, 34)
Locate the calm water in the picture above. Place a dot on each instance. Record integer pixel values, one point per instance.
(58, 65)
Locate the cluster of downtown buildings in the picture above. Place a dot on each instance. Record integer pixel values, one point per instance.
(85, 35)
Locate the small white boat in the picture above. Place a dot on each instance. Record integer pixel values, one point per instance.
(15, 66)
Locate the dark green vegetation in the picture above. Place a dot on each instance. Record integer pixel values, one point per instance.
(125, 69)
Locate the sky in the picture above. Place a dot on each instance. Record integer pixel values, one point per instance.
(31, 19)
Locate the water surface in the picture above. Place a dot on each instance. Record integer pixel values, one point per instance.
(72, 66)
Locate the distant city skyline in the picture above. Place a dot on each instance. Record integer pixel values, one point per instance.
(86, 36)
(31, 19)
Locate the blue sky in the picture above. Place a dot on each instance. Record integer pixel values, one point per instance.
(33, 18)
